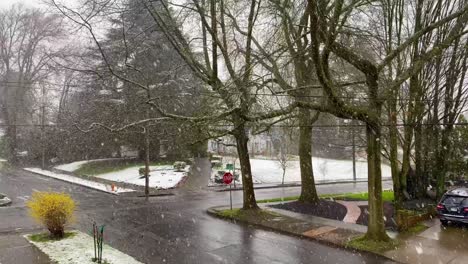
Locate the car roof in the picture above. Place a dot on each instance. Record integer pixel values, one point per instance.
(458, 192)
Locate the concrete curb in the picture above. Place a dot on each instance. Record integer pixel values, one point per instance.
(212, 211)
(75, 183)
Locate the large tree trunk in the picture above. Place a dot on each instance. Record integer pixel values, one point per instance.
(244, 159)
(393, 144)
(376, 226)
(419, 188)
(308, 190)
(406, 160)
(441, 169)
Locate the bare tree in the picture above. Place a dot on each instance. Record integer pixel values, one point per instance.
(25, 52)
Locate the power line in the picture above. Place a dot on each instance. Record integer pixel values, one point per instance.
(290, 126)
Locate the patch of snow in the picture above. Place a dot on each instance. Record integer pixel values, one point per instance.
(161, 177)
(77, 164)
(268, 171)
(3, 160)
(87, 183)
(79, 249)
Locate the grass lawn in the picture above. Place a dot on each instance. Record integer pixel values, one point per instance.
(363, 196)
(361, 243)
(95, 168)
(240, 214)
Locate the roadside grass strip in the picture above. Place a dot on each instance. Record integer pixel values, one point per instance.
(387, 196)
(83, 182)
(77, 248)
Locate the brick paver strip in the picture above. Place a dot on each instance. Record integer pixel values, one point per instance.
(319, 231)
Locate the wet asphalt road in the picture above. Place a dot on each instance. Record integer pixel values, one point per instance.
(176, 229)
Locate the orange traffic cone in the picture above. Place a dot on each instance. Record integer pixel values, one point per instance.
(113, 187)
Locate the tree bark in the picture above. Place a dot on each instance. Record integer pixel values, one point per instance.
(394, 164)
(242, 139)
(441, 161)
(418, 152)
(308, 190)
(376, 226)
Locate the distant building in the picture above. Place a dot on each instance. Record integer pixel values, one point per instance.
(258, 145)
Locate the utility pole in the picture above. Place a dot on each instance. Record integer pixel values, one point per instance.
(43, 144)
(147, 156)
(354, 149)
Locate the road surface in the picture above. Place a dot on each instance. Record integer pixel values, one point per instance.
(176, 228)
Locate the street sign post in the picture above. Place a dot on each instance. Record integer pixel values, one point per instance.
(230, 166)
(227, 179)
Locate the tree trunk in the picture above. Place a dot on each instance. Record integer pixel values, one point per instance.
(147, 162)
(393, 143)
(284, 172)
(441, 162)
(244, 159)
(419, 188)
(308, 190)
(406, 160)
(376, 226)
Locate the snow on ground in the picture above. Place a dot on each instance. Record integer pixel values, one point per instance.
(162, 177)
(3, 160)
(87, 183)
(79, 249)
(77, 164)
(269, 171)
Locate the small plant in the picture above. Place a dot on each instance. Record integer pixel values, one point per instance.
(53, 210)
(98, 237)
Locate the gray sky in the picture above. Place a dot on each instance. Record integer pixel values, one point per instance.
(6, 3)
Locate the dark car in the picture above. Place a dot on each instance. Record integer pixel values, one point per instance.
(453, 207)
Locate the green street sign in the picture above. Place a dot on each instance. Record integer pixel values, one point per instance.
(230, 166)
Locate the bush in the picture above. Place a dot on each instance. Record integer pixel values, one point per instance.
(142, 171)
(179, 165)
(53, 210)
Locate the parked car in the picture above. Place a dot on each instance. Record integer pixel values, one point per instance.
(453, 207)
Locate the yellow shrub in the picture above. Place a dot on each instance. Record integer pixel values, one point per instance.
(53, 210)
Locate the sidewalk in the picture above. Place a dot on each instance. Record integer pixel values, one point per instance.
(434, 245)
(16, 249)
(328, 231)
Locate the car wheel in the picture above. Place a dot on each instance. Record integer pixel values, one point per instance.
(444, 222)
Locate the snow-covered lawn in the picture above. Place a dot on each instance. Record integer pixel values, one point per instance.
(162, 177)
(77, 164)
(79, 249)
(269, 171)
(87, 183)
